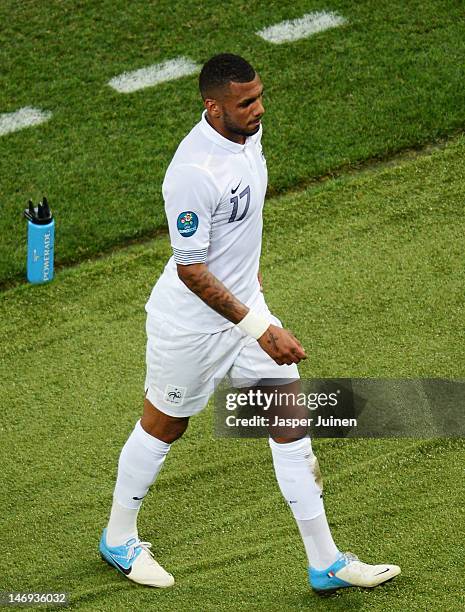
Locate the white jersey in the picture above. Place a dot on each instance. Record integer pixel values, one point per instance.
(214, 191)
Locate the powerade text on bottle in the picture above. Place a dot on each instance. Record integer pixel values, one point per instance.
(40, 242)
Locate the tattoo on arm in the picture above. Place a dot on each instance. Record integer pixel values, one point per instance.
(272, 338)
(208, 288)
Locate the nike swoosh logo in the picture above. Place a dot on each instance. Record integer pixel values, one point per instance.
(139, 498)
(125, 570)
(383, 572)
(234, 190)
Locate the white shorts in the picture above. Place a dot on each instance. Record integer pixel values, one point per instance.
(185, 367)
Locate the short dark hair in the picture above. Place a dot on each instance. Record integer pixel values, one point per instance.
(220, 70)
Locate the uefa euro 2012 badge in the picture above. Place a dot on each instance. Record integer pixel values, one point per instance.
(188, 222)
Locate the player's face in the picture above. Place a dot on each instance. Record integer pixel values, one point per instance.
(238, 111)
(243, 107)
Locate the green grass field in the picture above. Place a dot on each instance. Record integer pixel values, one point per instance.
(391, 78)
(367, 270)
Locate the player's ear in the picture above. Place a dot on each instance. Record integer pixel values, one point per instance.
(213, 107)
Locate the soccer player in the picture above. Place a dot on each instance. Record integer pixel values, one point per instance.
(207, 319)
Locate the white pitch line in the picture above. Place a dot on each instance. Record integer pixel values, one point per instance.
(153, 75)
(304, 26)
(22, 118)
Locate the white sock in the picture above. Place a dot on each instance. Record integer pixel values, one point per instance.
(122, 525)
(140, 461)
(299, 479)
(318, 541)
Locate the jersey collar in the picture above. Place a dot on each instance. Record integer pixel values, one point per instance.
(217, 138)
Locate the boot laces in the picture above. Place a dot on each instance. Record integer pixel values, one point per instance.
(144, 545)
(349, 557)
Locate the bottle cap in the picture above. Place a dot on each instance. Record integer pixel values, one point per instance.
(42, 215)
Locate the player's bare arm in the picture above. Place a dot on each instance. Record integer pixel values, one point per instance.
(209, 289)
(279, 343)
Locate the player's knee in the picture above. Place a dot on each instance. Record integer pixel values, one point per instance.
(161, 425)
(175, 430)
(167, 430)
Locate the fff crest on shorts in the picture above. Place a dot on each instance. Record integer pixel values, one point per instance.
(187, 223)
(175, 394)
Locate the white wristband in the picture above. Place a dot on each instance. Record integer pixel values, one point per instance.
(254, 325)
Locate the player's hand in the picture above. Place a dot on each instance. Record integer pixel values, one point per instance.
(260, 281)
(281, 346)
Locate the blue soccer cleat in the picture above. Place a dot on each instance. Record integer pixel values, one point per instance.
(348, 571)
(136, 562)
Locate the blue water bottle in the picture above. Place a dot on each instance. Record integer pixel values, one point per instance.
(40, 242)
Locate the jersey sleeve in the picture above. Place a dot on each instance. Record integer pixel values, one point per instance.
(190, 198)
